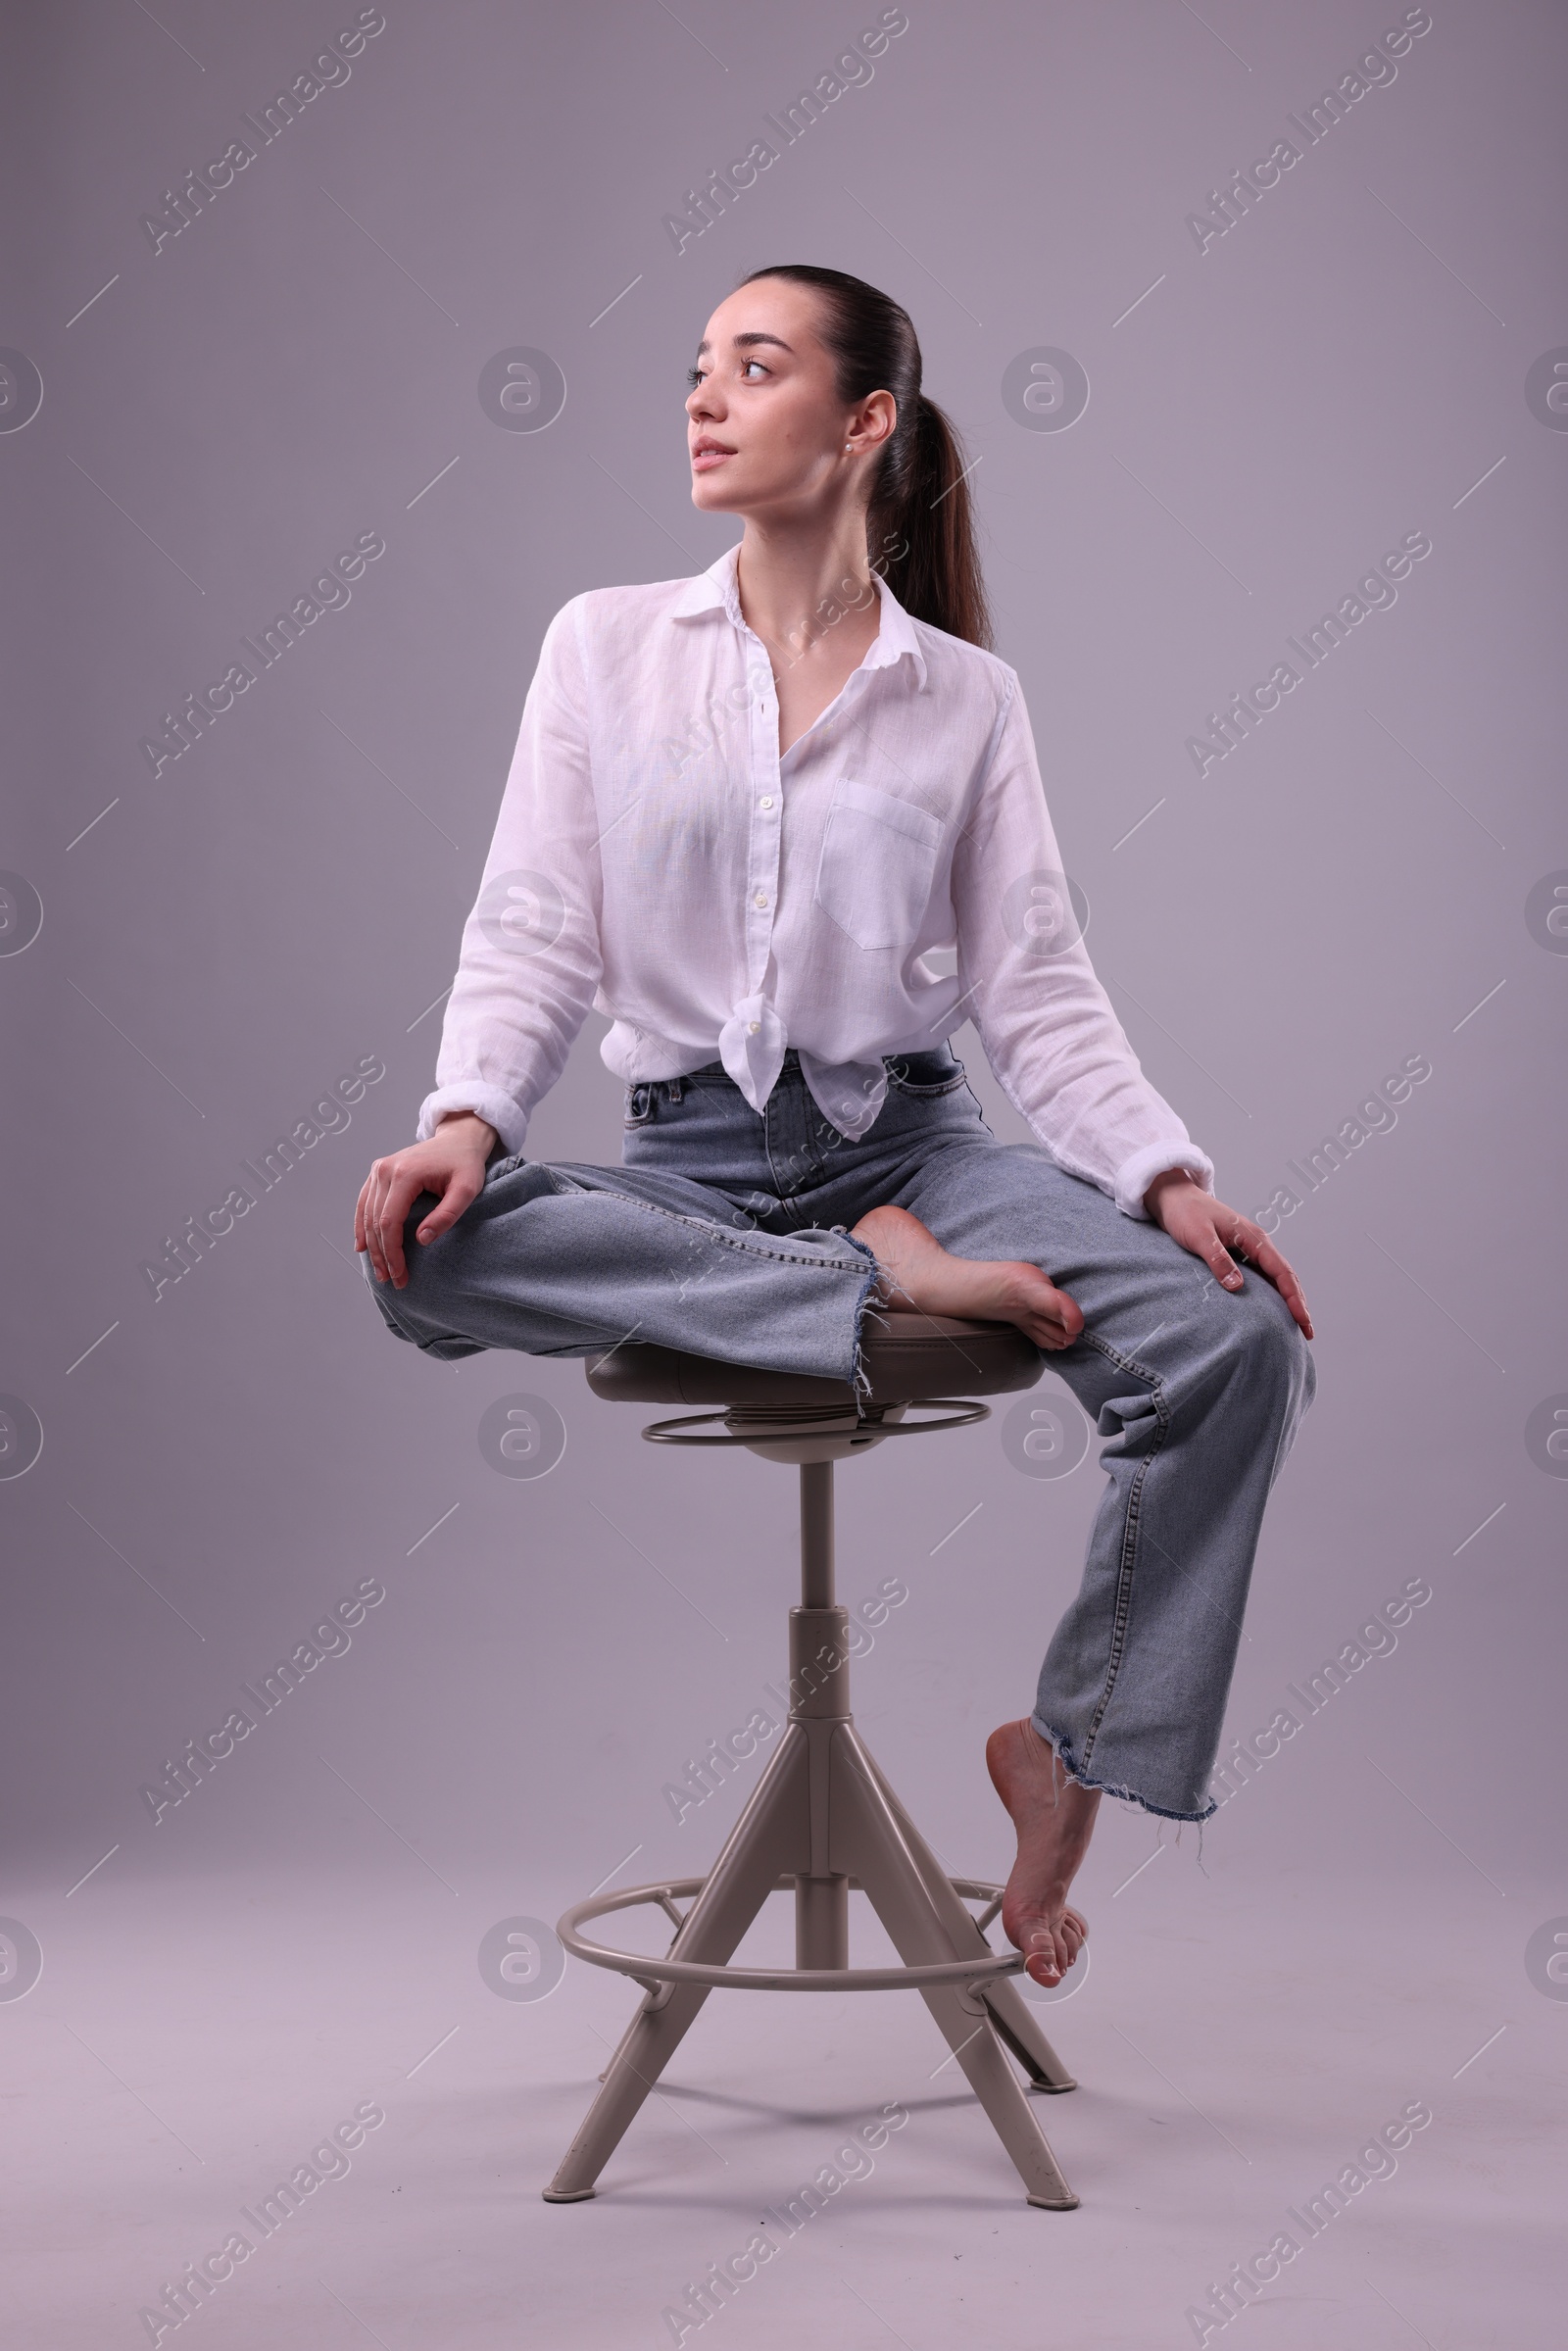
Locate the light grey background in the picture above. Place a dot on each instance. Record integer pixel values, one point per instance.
(1346, 366)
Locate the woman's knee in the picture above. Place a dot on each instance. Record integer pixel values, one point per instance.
(408, 1312)
(1269, 1351)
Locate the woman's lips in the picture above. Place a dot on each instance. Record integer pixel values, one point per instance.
(704, 460)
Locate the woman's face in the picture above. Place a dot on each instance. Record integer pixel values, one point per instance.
(766, 429)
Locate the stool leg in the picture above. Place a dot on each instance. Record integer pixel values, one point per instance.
(1022, 2031)
(770, 1839)
(1015, 2021)
(870, 1843)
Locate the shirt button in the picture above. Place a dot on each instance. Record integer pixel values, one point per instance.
(753, 1026)
(767, 804)
(762, 899)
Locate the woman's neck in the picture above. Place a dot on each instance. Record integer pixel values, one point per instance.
(794, 587)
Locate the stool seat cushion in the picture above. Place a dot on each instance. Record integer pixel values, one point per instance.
(906, 1357)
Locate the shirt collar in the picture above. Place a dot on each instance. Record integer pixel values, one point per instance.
(716, 590)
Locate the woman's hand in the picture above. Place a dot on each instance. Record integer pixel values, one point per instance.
(451, 1166)
(1210, 1230)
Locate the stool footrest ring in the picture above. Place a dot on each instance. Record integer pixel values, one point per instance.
(976, 1970)
(958, 1412)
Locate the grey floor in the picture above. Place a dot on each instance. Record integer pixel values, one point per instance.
(1241, 2034)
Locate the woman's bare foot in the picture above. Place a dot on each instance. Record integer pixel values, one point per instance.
(1054, 1818)
(918, 1275)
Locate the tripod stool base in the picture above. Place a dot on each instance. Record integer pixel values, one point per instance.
(822, 1818)
(822, 1810)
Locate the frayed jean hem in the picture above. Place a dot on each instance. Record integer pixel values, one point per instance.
(1111, 1788)
(858, 1377)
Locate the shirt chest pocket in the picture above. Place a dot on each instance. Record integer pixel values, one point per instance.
(878, 863)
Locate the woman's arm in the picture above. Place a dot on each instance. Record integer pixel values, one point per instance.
(1055, 1044)
(529, 963)
(1052, 1037)
(527, 971)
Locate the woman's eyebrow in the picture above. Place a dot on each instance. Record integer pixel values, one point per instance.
(745, 342)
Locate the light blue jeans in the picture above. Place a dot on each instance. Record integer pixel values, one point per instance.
(725, 1233)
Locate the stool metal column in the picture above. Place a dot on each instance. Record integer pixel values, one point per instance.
(819, 1628)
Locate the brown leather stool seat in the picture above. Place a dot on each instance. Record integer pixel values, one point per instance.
(906, 1357)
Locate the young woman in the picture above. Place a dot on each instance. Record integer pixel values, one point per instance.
(746, 812)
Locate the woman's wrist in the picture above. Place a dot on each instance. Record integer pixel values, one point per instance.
(1170, 1179)
(472, 1119)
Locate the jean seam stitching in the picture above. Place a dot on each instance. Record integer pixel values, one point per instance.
(716, 1233)
(1127, 1566)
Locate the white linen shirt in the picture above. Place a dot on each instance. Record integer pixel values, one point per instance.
(654, 856)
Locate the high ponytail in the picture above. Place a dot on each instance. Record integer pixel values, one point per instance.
(920, 520)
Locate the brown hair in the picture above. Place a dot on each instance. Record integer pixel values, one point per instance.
(920, 518)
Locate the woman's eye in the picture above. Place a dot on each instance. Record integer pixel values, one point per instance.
(694, 376)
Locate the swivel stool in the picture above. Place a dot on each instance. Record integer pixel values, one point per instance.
(822, 1819)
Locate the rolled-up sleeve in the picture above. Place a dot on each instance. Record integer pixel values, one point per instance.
(530, 964)
(1053, 1041)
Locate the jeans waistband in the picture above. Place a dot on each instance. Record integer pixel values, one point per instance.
(930, 1062)
(933, 1070)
